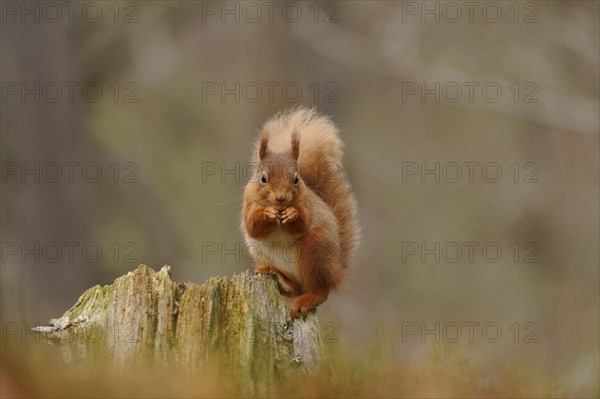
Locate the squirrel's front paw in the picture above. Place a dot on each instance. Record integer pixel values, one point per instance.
(290, 215)
(272, 215)
(296, 311)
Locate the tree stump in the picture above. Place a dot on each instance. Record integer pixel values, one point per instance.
(239, 324)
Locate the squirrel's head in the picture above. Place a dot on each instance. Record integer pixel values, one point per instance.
(278, 181)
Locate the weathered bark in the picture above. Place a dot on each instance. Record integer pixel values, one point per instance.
(239, 324)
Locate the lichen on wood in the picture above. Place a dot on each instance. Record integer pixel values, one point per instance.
(239, 324)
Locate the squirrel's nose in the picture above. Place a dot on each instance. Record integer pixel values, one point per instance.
(280, 197)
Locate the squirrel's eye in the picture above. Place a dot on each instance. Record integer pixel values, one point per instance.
(263, 178)
(296, 179)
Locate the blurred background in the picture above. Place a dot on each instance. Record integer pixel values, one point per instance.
(471, 142)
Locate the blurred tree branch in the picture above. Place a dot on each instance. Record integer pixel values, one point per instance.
(397, 54)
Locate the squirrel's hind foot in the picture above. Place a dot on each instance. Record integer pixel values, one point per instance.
(287, 284)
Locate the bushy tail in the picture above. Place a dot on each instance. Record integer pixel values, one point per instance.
(320, 166)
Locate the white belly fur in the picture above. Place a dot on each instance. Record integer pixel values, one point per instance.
(278, 248)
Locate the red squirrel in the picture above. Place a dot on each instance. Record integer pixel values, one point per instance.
(299, 213)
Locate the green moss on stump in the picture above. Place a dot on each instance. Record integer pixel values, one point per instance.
(238, 325)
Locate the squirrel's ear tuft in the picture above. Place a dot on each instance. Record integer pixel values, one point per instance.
(262, 146)
(295, 145)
